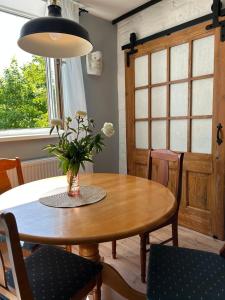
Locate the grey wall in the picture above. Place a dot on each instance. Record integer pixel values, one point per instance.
(29, 149)
(101, 91)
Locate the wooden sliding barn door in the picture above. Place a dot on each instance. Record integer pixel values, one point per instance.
(175, 98)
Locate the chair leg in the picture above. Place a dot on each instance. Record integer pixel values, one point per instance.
(114, 249)
(69, 248)
(175, 233)
(97, 289)
(143, 242)
(148, 240)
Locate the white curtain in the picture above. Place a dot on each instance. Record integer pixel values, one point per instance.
(72, 75)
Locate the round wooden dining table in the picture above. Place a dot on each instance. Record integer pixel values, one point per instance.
(132, 206)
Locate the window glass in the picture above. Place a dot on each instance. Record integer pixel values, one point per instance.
(23, 88)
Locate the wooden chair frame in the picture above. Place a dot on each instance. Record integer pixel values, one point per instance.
(22, 289)
(8, 164)
(164, 157)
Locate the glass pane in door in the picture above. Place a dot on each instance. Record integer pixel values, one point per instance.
(158, 98)
(158, 134)
(202, 97)
(159, 67)
(179, 62)
(202, 136)
(178, 135)
(141, 71)
(141, 135)
(141, 104)
(203, 56)
(179, 99)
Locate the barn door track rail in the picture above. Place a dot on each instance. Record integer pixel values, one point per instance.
(217, 12)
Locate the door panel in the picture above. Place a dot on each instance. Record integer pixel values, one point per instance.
(173, 89)
(195, 210)
(197, 194)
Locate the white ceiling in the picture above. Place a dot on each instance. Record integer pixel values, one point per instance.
(110, 9)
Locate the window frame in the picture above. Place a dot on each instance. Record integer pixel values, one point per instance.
(37, 133)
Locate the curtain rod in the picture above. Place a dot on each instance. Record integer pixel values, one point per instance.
(172, 30)
(135, 11)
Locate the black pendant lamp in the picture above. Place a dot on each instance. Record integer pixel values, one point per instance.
(54, 36)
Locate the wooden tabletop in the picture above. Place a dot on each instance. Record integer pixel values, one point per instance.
(132, 206)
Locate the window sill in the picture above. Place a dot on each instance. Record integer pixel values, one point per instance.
(25, 134)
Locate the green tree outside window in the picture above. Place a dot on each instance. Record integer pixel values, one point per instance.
(23, 95)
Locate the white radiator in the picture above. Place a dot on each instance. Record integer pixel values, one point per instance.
(36, 169)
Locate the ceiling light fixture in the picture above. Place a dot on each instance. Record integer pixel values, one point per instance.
(54, 36)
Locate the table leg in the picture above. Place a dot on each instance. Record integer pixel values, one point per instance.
(110, 276)
(89, 251)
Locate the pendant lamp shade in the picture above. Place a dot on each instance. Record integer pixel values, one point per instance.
(54, 36)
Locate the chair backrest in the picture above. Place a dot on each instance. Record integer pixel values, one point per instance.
(23, 291)
(9, 164)
(164, 157)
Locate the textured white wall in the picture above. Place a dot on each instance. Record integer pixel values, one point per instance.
(161, 16)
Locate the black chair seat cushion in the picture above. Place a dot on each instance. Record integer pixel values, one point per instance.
(57, 274)
(180, 274)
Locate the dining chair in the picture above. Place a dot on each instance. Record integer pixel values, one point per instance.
(162, 159)
(49, 273)
(6, 165)
(5, 185)
(182, 274)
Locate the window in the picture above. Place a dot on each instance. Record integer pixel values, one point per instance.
(27, 96)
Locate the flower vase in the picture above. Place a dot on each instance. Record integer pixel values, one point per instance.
(73, 184)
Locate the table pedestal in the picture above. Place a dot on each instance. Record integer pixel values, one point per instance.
(110, 276)
(91, 251)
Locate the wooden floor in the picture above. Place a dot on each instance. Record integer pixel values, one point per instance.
(127, 262)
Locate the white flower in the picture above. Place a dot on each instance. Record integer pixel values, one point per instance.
(56, 122)
(108, 129)
(81, 114)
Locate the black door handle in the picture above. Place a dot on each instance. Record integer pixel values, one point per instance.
(219, 134)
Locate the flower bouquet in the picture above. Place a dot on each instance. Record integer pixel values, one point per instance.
(77, 145)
